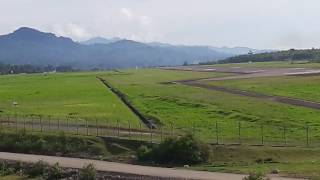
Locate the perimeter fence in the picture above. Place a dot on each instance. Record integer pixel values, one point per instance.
(216, 132)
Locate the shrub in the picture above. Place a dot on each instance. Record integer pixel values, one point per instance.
(144, 153)
(88, 173)
(181, 150)
(256, 176)
(37, 169)
(5, 169)
(23, 142)
(55, 172)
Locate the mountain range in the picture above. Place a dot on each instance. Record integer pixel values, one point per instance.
(30, 46)
(226, 50)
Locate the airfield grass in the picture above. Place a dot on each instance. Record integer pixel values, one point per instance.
(61, 95)
(301, 87)
(197, 110)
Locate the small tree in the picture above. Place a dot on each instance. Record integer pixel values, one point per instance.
(178, 150)
(88, 173)
(55, 172)
(37, 169)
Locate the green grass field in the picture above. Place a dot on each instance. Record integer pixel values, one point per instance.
(188, 107)
(288, 161)
(69, 94)
(301, 87)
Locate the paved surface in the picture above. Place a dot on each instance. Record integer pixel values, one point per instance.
(245, 72)
(125, 168)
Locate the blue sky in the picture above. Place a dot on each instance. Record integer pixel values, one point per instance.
(276, 24)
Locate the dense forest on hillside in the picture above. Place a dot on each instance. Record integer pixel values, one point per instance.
(289, 55)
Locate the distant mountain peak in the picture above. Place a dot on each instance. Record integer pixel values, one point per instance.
(26, 30)
(34, 35)
(30, 34)
(100, 40)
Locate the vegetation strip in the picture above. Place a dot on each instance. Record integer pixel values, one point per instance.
(281, 99)
(123, 98)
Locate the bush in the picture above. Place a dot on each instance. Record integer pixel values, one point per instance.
(37, 169)
(181, 150)
(5, 169)
(23, 142)
(88, 173)
(55, 172)
(256, 176)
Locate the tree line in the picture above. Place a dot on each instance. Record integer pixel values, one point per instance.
(28, 69)
(288, 55)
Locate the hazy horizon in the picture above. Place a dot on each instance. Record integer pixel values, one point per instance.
(272, 24)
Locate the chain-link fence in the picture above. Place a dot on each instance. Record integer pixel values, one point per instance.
(217, 132)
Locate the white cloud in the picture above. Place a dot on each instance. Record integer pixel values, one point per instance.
(145, 20)
(71, 30)
(127, 13)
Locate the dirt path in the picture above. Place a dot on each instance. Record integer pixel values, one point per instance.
(125, 168)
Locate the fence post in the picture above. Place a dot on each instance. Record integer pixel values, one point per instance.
(107, 128)
(49, 122)
(140, 127)
(87, 127)
(151, 135)
(8, 120)
(217, 133)
(58, 123)
(41, 127)
(67, 123)
(31, 123)
(172, 129)
(24, 123)
(262, 135)
(0, 123)
(16, 116)
(161, 133)
(284, 136)
(307, 131)
(97, 127)
(239, 132)
(129, 130)
(77, 125)
(193, 129)
(118, 128)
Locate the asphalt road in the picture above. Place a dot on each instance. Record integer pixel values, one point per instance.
(125, 168)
